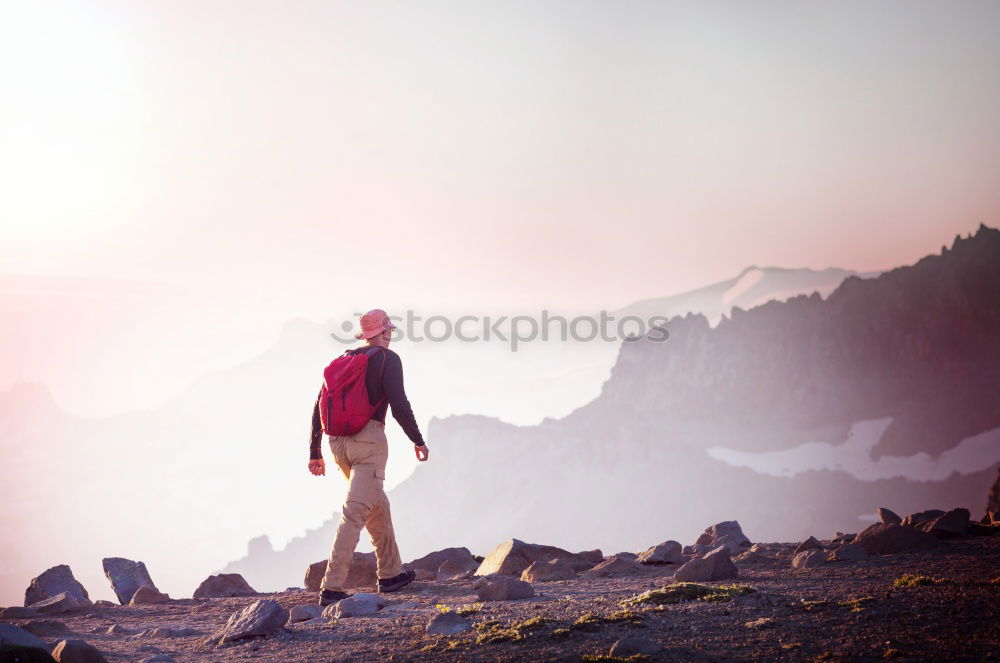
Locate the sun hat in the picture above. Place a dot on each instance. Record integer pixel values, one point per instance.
(373, 323)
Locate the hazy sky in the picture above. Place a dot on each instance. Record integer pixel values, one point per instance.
(234, 164)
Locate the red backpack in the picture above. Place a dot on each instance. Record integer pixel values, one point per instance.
(344, 406)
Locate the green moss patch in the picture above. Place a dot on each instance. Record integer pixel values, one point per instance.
(910, 580)
(682, 592)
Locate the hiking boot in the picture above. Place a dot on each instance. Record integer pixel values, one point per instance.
(396, 583)
(329, 596)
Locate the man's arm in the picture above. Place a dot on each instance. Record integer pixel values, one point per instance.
(392, 382)
(316, 435)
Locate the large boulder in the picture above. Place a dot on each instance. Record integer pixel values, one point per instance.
(849, 552)
(812, 543)
(514, 556)
(504, 589)
(63, 602)
(614, 567)
(15, 636)
(715, 565)
(433, 561)
(727, 533)
(668, 552)
(884, 539)
(223, 585)
(148, 595)
(949, 525)
(993, 499)
(262, 617)
(54, 581)
(809, 559)
(921, 518)
(126, 577)
(888, 517)
(361, 575)
(452, 570)
(628, 647)
(77, 651)
(549, 571)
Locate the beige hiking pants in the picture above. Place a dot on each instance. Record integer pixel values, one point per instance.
(362, 457)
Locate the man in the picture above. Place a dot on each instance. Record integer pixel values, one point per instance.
(362, 458)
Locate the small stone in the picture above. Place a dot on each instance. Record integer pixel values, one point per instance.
(101, 603)
(158, 658)
(77, 651)
(627, 647)
(262, 617)
(148, 595)
(118, 629)
(448, 623)
(549, 571)
(809, 559)
(505, 589)
(301, 613)
(223, 585)
(359, 605)
(668, 552)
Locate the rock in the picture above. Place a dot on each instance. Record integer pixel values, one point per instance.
(301, 613)
(809, 559)
(811, 543)
(167, 632)
(668, 552)
(361, 574)
(148, 595)
(15, 636)
(54, 581)
(118, 629)
(17, 612)
(549, 571)
(77, 651)
(514, 556)
(949, 525)
(505, 589)
(262, 617)
(450, 570)
(423, 575)
(459, 557)
(223, 585)
(101, 603)
(993, 499)
(594, 556)
(880, 539)
(849, 552)
(358, 605)
(888, 517)
(696, 549)
(627, 647)
(921, 518)
(126, 577)
(715, 565)
(613, 567)
(730, 533)
(844, 538)
(448, 623)
(63, 602)
(47, 628)
(622, 555)
(158, 658)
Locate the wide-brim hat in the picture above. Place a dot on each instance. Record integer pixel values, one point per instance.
(373, 323)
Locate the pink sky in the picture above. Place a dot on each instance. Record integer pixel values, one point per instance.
(235, 164)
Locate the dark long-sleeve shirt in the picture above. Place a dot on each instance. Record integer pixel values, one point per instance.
(383, 378)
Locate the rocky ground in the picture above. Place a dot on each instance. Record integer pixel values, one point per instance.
(940, 604)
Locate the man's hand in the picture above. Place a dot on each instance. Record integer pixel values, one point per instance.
(317, 466)
(421, 452)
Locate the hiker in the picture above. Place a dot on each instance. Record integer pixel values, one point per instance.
(357, 389)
